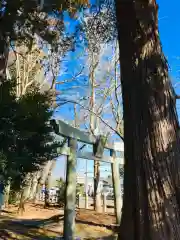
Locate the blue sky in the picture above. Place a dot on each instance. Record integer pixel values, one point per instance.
(169, 19)
(169, 22)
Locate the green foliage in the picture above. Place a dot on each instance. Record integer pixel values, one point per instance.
(22, 19)
(80, 189)
(100, 24)
(61, 185)
(26, 140)
(13, 197)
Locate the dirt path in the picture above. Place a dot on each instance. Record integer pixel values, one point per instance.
(47, 224)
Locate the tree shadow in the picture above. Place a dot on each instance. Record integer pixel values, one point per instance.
(13, 229)
(51, 206)
(114, 228)
(36, 223)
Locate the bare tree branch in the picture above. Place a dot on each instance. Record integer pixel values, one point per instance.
(95, 114)
(72, 79)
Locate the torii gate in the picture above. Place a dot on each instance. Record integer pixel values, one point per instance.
(99, 144)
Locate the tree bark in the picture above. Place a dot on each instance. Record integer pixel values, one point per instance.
(7, 193)
(47, 184)
(93, 126)
(46, 198)
(42, 178)
(98, 150)
(25, 192)
(70, 192)
(97, 193)
(151, 206)
(34, 184)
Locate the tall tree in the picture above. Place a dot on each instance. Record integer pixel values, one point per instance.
(24, 146)
(94, 26)
(23, 19)
(36, 139)
(25, 65)
(151, 202)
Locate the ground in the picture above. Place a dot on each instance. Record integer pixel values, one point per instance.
(38, 223)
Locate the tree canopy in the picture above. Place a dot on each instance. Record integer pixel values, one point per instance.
(26, 140)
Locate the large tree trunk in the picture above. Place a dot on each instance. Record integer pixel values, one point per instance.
(97, 193)
(41, 179)
(47, 184)
(25, 192)
(151, 178)
(93, 126)
(7, 193)
(34, 184)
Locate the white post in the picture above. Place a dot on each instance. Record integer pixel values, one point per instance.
(104, 202)
(86, 185)
(116, 187)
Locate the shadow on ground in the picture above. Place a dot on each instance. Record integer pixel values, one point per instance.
(17, 229)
